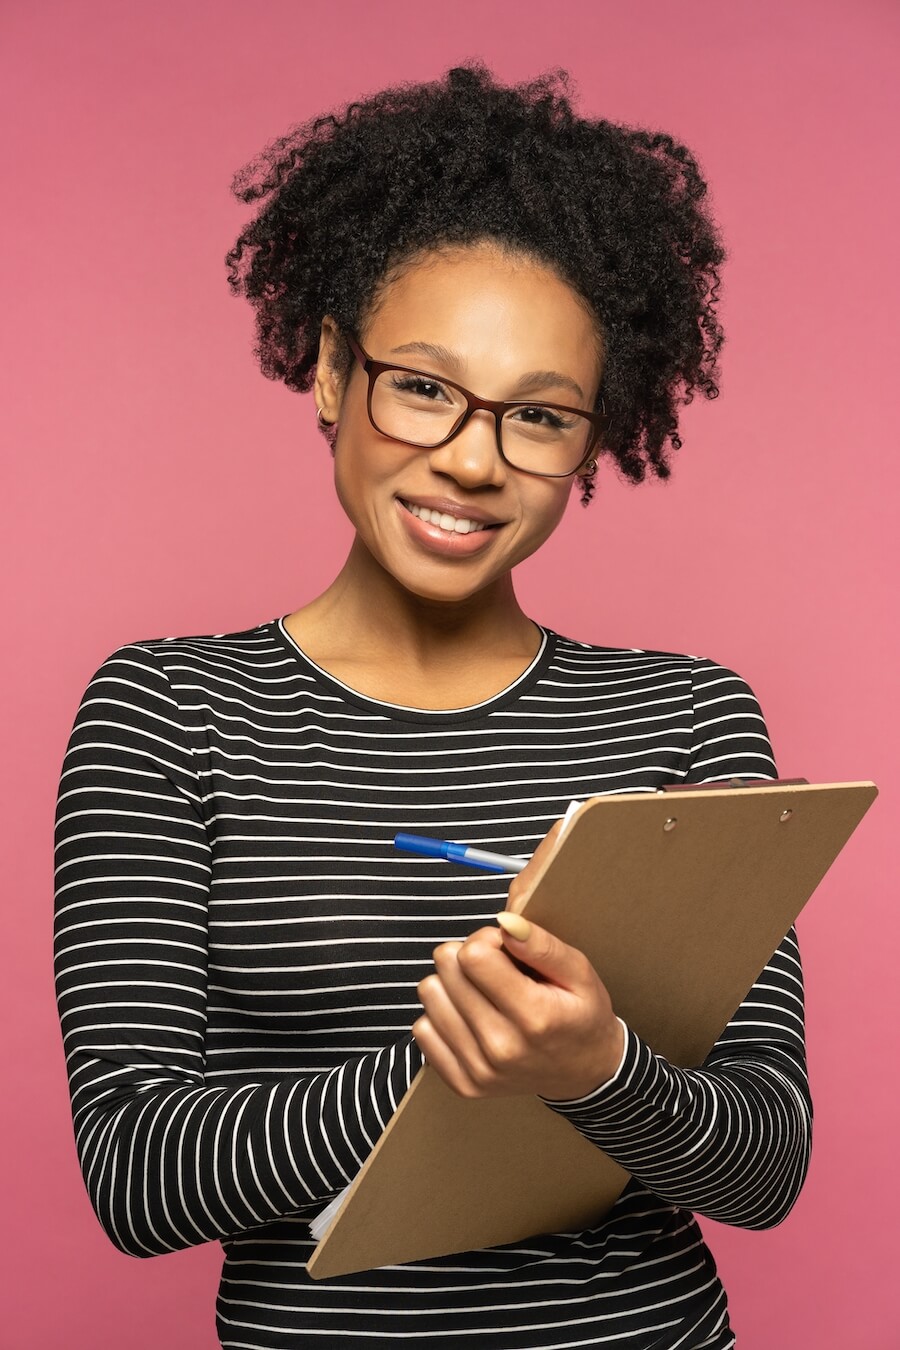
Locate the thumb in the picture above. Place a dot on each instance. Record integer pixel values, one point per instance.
(536, 948)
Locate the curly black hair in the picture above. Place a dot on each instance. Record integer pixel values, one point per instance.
(616, 211)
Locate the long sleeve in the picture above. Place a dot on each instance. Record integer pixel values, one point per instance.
(170, 1161)
(732, 1139)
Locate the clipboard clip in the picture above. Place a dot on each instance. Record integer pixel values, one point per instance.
(734, 783)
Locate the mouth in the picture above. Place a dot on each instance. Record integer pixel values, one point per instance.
(444, 520)
(447, 534)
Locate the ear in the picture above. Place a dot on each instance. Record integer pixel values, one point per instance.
(329, 391)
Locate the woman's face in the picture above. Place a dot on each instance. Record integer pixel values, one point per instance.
(496, 319)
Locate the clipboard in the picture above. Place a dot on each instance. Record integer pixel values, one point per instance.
(679, 899)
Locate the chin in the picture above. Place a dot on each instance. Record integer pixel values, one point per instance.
(446, 595)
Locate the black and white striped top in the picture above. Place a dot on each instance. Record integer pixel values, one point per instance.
(238, 946)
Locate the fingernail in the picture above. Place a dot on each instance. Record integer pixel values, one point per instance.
(515, 925)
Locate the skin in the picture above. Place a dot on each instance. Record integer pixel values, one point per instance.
(400, 622)
(492, 1030)
(417, 623)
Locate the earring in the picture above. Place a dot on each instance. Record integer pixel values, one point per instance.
(589, 469)
(321, 420)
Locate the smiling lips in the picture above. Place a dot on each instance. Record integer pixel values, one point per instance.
(447, 531)
(446, 521)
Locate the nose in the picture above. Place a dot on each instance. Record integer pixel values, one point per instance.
(472, 458)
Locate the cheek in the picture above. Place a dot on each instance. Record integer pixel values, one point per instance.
(365, 470)
(343, 495)
(356, 462)
(343, 477)
(550, 507)
(541, 515)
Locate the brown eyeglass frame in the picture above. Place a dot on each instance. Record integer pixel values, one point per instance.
(373, 369)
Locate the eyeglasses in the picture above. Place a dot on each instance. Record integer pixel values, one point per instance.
(426, 410)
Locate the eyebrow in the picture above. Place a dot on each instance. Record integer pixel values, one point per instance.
(535, 379)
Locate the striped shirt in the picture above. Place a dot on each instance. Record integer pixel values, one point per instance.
(237, 952)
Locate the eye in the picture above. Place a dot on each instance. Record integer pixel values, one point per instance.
(536, 416)
(417, 386)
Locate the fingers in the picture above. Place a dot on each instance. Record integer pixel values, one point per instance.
(494, 973)
(453, 1006)
(484, 1007)
(513, 1008)
(467, 1021)
(442, 1059)
(445, 1036)
(543, 955)
(487, 1029)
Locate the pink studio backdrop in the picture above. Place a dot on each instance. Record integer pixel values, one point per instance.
(157, 485)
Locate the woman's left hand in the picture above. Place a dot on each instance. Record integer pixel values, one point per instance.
(491, 1030)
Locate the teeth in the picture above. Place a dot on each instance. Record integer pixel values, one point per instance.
(454, 524)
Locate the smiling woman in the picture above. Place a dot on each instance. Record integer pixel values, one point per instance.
(487, 295)
(495, 317)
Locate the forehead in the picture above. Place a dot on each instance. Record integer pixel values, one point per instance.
(501, 313)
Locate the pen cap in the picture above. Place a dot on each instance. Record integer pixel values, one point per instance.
(419, 843)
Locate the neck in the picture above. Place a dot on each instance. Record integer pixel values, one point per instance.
(367, 617)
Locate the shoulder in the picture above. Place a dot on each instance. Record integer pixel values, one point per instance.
(704, 672)
(170, 685)
(708, 690)
(175, 662)
(590, 654)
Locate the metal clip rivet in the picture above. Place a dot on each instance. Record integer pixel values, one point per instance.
(786, 814)
(671, 823)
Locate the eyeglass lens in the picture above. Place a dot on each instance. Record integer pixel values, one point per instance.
(424, 411)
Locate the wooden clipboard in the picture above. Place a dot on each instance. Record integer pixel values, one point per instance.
(679, 900)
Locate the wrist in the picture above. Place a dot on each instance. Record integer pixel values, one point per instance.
(610, 1062)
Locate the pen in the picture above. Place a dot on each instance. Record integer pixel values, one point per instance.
(458, 853)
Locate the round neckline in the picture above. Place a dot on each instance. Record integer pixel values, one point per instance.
(402, 712)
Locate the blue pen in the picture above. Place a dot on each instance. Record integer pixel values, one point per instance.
(458, 853)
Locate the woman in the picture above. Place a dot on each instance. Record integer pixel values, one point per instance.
(487, 294)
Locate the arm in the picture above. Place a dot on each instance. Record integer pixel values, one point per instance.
(168, 1161)
(731, 1139)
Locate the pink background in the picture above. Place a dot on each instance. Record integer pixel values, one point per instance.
(159, 485)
